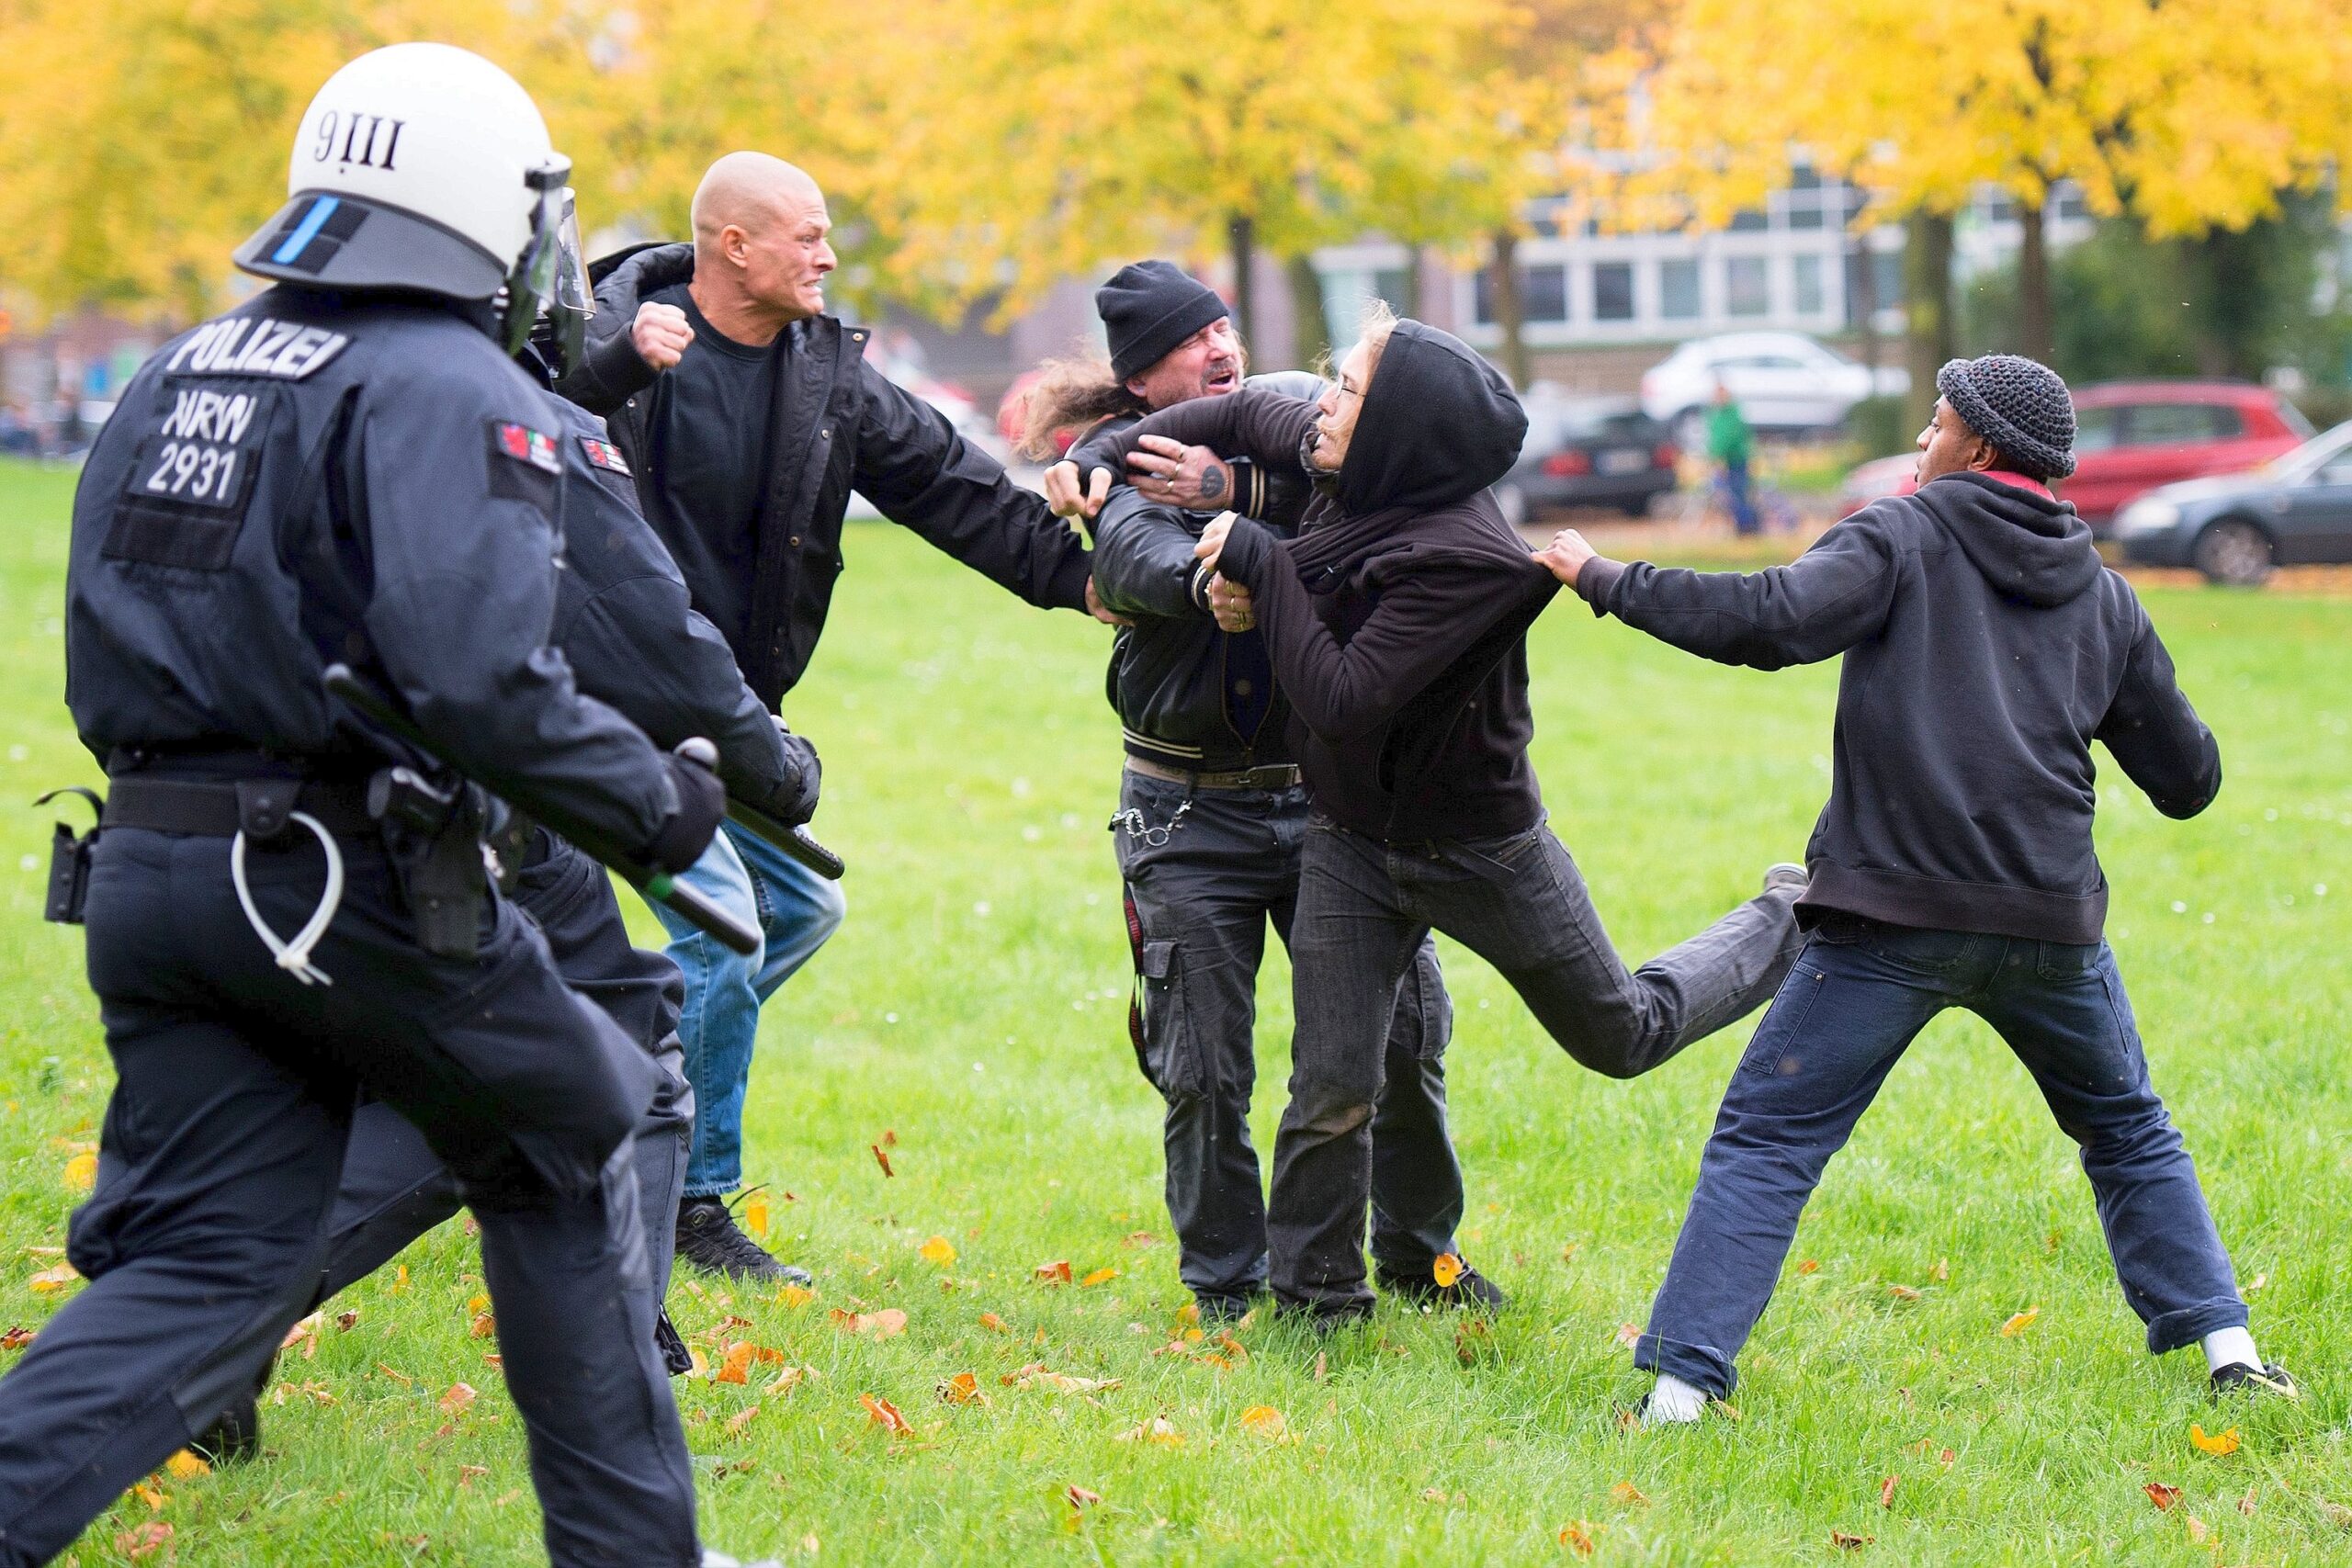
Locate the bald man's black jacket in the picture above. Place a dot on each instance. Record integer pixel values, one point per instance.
(624, 619)
(836, 423)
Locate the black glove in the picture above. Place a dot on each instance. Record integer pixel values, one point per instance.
(794, 799)
(702, 805)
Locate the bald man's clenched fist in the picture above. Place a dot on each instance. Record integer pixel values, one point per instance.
(659, 334)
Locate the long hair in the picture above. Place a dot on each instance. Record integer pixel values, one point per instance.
(1070, 394)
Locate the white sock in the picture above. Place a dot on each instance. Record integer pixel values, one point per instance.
(2227, 1347)
(1673, 1400)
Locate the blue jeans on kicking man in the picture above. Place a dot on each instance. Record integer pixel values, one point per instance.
(796, 910)
(1858, 994)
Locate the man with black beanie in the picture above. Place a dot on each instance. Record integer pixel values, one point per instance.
(1212, 818)
(1985, 647)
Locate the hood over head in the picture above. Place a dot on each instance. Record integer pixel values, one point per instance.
(2028, 545)
(1439, 424)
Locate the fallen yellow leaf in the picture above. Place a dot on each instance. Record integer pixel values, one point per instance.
(755, 1216)
(2018, 1322)
(964, 1388)
(50, 1280)
(736, 1365)
(938, 1250)
(81, 1173)
(794, 1295)
(884, 1414)
(1265, 1421)
(2219, 1443)
(1055, 1274)
(1625, 1495)
(994, 1324)
(1446, 1269)
(1578, 1537)
(185, 1466)
(1159, 1430)
(1100, 1276)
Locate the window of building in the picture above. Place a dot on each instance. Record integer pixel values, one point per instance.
(1750, 220)
(1806, 275)
(1748, 286)
(1612, 292)
(1542, 294)
(1678, 289)
(1887, 271)
(1807, 203)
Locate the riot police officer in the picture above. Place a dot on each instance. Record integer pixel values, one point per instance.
(625, 622)
(348, 468)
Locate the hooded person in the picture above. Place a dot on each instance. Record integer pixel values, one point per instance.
(1984, 648)
(1397, 621)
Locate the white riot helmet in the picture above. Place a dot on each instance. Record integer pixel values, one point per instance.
(420, 168)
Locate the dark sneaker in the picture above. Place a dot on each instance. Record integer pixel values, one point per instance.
(1470, 1290)
(234, 1437)
(1787, 877)
(1220, 1309)
(2239, 1377)
(710, 1239)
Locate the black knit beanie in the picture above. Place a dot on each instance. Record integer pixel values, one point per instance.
(2018, 405)
(1150, 307)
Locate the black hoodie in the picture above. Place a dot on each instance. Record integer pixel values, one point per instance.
(1985, 649)
(1398, 618)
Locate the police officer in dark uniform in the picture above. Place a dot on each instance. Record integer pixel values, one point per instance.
(624, 621)
(348, 468)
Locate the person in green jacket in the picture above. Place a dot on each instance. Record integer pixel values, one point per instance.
(1730, 443)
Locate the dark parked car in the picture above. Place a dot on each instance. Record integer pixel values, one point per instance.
(2236, 528)
(1585, 451)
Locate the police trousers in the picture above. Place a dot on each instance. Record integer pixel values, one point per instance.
(1207, 871)
(395, 1189)
(222, 1152)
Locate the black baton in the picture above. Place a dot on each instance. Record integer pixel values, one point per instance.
(793, 841)
(354, 688)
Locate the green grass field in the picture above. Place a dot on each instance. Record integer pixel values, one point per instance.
(973, 1009)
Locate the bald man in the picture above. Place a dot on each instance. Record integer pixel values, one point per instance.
(745, 416)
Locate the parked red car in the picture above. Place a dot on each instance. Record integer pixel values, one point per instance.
(2130, 436)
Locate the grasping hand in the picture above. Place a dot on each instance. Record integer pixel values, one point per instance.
(1566, 555)
(1230, 603)
(1066, 498)
(1095, 608)
(1212, 543)
(659, 334)
(1191, 477)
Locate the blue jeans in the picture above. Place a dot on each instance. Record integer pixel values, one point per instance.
(1859, 993)
(1743, 505)
(796, 910)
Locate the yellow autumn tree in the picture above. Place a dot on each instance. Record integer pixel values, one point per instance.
(2186, 114)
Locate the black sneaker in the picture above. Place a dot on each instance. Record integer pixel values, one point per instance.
(235, 1437)
(1470, 1290)
(1214, 1310)
(2239, 1377)
(710, 1239)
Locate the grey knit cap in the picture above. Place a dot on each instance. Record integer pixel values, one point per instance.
(2020, 405)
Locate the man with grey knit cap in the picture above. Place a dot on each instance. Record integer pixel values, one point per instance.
(1985, 647)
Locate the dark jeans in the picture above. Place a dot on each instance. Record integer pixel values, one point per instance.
(1203, 892)
(1856, 997)
(1366, 908)
(221, 1154)
(395, 1189)
(1743, 503)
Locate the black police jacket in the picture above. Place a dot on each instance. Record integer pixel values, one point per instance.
(308, 480)
(623, 618)
(1181, 687)
(838, 424)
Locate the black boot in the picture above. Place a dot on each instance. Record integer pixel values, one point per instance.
(710, 1239)
(1470, 1290)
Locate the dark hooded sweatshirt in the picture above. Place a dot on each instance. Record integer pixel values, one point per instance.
(1398, 618)
(1985, 649)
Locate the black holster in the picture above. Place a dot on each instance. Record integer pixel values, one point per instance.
(433, 832)
(69, 861)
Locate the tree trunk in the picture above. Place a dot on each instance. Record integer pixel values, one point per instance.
(1866, 304)
(2034, 329)
(1241, 232)
(1415, 274)
(1503, 273)
(1310, 323)
(1927, 309)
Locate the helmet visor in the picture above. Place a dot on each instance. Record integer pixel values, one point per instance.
(532, 282)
